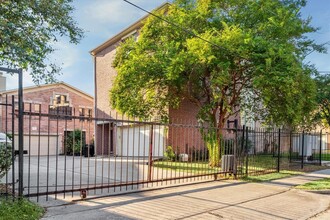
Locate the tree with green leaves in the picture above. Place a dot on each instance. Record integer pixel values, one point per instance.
(224, 56)
(28, 29)
(323, 98)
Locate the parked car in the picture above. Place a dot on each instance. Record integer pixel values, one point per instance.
(5, 140)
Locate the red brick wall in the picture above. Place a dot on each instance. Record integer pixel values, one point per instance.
(44, 125)
(188, 137)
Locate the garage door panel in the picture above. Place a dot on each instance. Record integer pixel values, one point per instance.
(135, 141)
(41, 145)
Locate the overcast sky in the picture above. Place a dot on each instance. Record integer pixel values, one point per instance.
(101, 19)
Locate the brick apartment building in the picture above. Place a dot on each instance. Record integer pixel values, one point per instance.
(46, 133)
(117, 136)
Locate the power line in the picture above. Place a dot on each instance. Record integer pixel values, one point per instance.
(182, 28)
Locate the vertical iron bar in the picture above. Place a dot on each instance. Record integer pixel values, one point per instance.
(83, 139)
(65, 151)
(127, 151)
(20, 131)
(302, 150)
(235, 153)
(6, 130)
(73, 148)
(144, 153)
(89, 146)
(56, 154)
(29, 163)
(48, 143)
(279, 150)
(13, 142)
(102, 149)
(109, 151)
(38, 168)
(133, 146)
(150, 154)
(139, 146)
(320, 154)
(290, 150)
(115, 151)
(247, 152)
(158, 153)
(121, 152)
(242, 148)
(97, 143)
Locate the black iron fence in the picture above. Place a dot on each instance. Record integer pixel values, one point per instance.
(74, 155)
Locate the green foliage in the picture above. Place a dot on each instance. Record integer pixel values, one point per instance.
(5, 158)
(169, 154)
(28, 30)
(323, 98)
(257, 63)
(322, 184)
(20, 209)
(271, 176)
(254, 64)
(74, 142)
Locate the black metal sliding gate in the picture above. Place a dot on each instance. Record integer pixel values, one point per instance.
(70, 154)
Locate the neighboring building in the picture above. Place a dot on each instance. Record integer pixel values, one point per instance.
(118, 138)
(41, 132)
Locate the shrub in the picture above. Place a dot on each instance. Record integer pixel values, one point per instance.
(74, 141)
(20, 209)
(169, 154)
(5, 158)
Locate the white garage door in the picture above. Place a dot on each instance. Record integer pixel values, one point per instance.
(135, 141)
(31, 144)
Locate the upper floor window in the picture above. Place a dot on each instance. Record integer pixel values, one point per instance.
(60, 106)
(85, 112)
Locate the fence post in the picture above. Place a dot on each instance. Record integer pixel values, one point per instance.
(247, 152)
(20, 132)
(302, 150)
(150, 153)
(279, 150)
(320, 155)
(13, 143)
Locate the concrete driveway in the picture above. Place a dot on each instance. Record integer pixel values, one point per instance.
(48, 174)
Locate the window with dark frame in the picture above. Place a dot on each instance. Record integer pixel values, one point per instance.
(61, 108)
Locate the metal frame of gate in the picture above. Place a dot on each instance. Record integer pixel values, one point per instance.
(244, 151)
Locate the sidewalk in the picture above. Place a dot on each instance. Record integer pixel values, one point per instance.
(213, 200)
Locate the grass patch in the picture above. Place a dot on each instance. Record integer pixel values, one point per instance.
(322, 184)
(324, 156)
(271, 176)
(189, 167)
(22, 210)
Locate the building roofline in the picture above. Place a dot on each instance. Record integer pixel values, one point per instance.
(124, 32)
(45, 86)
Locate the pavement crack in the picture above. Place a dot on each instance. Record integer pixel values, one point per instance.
(216, 215)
